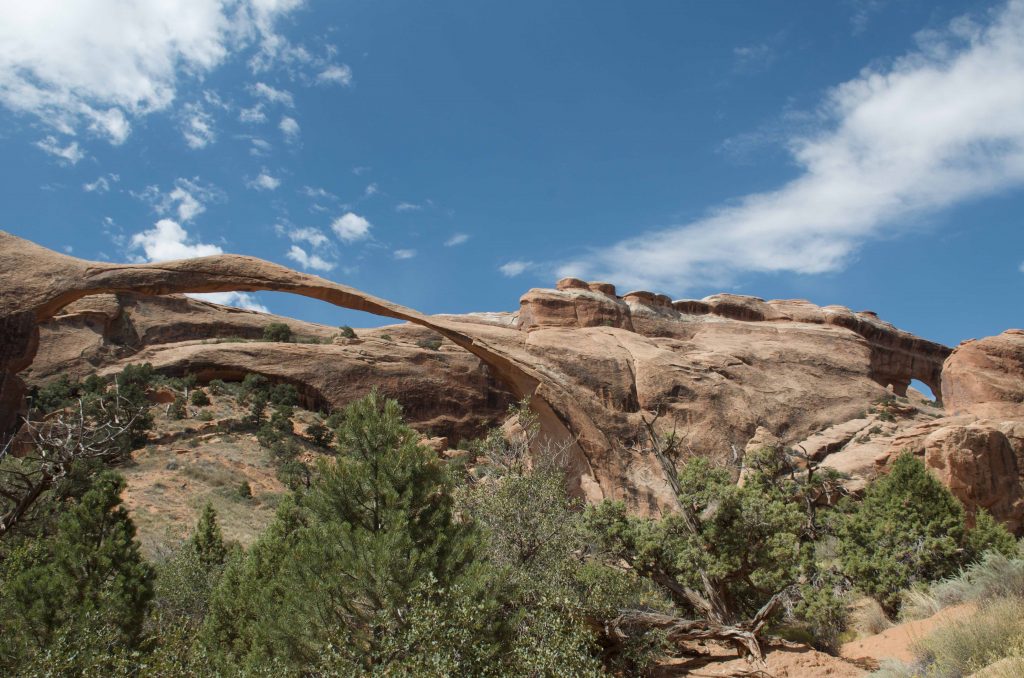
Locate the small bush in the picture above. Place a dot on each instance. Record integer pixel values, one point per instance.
(205, 415)
(347, 332)
(319, 435)
(244, 490)
(277, 332)
(431, 343)
(386, 337)
(177, 410)
(868, 617)
(199, 398)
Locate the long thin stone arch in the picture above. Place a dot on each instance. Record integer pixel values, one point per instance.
(35, 283)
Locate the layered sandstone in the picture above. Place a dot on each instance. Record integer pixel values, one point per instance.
(593, 364)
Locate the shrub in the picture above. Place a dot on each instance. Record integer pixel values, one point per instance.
(199, 398)
(431, 343)
(319, 434)
(277, 332)
(176, 410)
(961, 647)
(347, 332)
(386, 337)
(907, 529)
(244, 490)
(988, 535)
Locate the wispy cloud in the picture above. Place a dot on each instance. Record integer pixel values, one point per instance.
(456, 239)
(264, 181)
(404, 254)
(338, 74)
(308, 260)
(197, 126)
(102, 183)
(69, 155)
(272, 94)
(939, 126)
(186, 200)
(514, 268)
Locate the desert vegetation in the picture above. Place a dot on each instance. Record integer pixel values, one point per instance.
(383, 557)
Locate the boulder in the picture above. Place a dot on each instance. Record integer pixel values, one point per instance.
(978, 464)
(986, 377)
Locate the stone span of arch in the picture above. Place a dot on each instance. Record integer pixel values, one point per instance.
(35, 283)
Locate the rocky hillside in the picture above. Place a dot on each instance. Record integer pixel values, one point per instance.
(719, 372)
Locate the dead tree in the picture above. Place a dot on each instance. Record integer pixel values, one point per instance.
(43, 451)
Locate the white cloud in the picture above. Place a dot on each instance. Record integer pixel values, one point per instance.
(335, 75)
(259, 147)
(457, 239)
(197, 126)
(408, 207)
(188, 198)
(405, 254)
(308, 261)
(237, 299)
(96, 63)
(168, 240)
(1021, 268)
(317, 192)
(264, 182)
(313, 236)
(69, 154)
(252, 115)
(514, 268)
(939, 126)
(274, 96)
(351, 227)
(290, 128)
(102, 184)
(371, 189)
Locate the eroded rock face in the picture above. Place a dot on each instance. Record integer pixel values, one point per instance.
(897, 357)
(978, 464)
(986, 377)
(592, 364)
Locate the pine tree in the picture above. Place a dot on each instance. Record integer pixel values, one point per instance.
(89, 571)
(207, 540)
(337, 570)
(908, 528)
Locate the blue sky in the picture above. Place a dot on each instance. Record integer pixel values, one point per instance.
(451, 155)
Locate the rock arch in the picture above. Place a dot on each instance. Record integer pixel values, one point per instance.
(35, 283)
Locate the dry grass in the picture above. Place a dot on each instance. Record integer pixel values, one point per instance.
(964, 646)
(994, 577)
(868, 618)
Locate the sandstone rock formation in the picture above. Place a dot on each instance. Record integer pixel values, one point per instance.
(986, 377)
(593, 364)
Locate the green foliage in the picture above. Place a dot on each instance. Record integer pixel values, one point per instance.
(207, 540)
(386, 337)
(277, 332)
(907, 529)
(747, 541)
(177, 410)
(54, 396)
(199, 398)
(284, 395)
(347, 332)
(988, 535)
(339, 570)
(430, 343)
(89, 577)
(257, 410)
(320, 435)
(244, 490)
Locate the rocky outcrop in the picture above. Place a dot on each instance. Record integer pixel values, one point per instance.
(979, 465)
(592, 363)
(897, 357)
(986, 377)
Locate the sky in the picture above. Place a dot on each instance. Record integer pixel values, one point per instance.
(451, 155)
